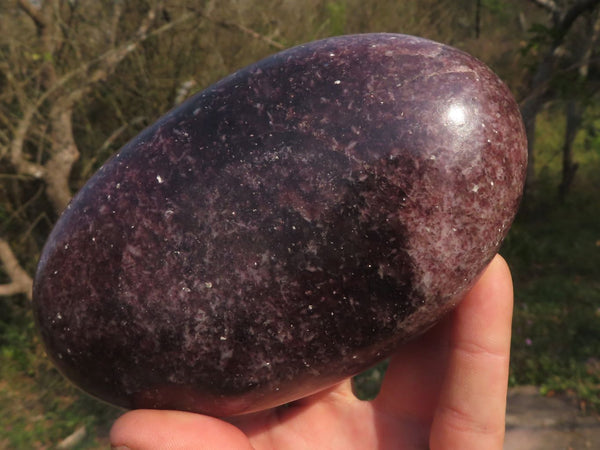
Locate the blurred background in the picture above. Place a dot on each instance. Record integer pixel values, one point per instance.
(79, 78)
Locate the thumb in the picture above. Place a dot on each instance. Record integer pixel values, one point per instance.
(146, 429)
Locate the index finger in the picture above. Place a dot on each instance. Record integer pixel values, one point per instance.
(472, 404)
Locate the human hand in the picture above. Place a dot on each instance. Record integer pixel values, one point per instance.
(445, 390)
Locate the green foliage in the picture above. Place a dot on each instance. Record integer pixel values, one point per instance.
(495, 6)
(540, 36)
(337, 15)
(549, 137)
(37, 405)
(366, 385)
(555, 258)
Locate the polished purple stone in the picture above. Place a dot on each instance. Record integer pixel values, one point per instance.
(284, 229)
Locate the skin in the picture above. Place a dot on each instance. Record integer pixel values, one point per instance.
(445, 390)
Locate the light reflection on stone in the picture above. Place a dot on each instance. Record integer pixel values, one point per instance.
(456, 114)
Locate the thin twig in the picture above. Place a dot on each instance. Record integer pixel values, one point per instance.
(549, 5)
(244, 29)
(114, 55)
(33, 13)
(21, 282)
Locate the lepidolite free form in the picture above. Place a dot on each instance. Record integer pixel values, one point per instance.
(284, 229)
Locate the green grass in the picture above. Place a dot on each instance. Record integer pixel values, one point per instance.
(554, 252)
(555, 258)
(38, 407)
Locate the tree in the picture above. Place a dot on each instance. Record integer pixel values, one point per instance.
(53, 62)
(563, 15)
(577, 99)
(48, 78)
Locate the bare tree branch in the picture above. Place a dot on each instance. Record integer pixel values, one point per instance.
(114, 23)
(243, 29)
(17, 144)
(73, 439)
(21, 282)
(109, 58)
(575, 110)
(64, 152)
(549, 5)
(87, 168)
(574, 12)
(563, 18)
(145, 24)
(586, 58)
(116, 133)
(540, 86)
(33, 13)
(254, 34)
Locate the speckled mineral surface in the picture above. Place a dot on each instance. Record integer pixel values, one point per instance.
(284, 229)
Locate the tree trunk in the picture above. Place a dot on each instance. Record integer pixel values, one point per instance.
(477, 19)
(574, 113)
(563, 20)
(63, 154)
(530, 108)
(575, 108)
(529, 111)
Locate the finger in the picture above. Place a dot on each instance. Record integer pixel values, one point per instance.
(471, 411)
(342, 391)
(411, 386)
(320, 404)
(332, 418)
(413, 379)
(146, 429)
